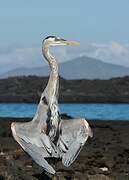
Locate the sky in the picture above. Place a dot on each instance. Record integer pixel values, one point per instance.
(102, 28)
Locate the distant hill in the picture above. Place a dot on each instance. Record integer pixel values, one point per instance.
(80, 68)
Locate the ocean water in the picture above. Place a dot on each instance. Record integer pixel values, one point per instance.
(90, 111)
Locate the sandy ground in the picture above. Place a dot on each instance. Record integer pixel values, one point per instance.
(104, 157)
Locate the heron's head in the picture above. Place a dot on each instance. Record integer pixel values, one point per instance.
(54, 41)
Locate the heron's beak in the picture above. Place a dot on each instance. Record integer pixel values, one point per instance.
(71, 43)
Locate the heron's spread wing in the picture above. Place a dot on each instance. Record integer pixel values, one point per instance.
(38, 154)
(73, 137)
(73, 150)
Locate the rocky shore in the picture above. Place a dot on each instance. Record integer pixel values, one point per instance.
(104, 157)
(29, 89)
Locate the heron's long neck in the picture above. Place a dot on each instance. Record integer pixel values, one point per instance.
(50, 59)
(51, 94)
(53, 79)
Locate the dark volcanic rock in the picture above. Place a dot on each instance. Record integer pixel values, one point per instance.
(28, 89)
(104, 157)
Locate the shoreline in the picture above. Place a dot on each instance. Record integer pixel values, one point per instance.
(69, 102)
(21, 89)
(63, 116)
(105, 156)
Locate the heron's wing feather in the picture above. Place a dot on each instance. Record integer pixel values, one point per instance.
(44, 139)
(39, 140)
(72, 153)
(74, 135)
(38, 154)
(41, 113)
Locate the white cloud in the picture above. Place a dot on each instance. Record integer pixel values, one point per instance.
(112, 52)
(11, 58)
(18, 56)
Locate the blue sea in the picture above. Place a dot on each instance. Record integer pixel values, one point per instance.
(89, 111)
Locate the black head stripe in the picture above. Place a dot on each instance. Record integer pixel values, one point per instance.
(54, 37)
(50, 37)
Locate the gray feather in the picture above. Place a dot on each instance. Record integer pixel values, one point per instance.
(37, 155)
(74, 150)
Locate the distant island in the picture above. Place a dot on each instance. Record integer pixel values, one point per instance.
(29, 88)
(79, 68)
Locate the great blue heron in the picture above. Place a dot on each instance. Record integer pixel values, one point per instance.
(47, 135)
